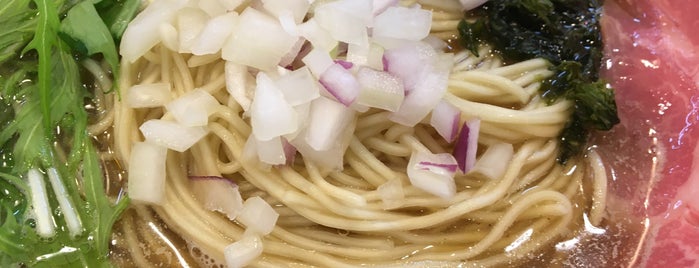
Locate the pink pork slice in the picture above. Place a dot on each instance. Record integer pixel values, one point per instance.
(653, 63)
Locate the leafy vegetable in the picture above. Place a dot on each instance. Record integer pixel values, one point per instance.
(89, 35)
(43, 42)
(18, 27)
(118, 14)
(40, 93)
(565, 32)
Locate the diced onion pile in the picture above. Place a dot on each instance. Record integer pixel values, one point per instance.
(390, 63)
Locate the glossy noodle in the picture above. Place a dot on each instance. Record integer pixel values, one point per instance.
(331, 218)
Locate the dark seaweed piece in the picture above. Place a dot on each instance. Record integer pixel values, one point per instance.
(566, 33)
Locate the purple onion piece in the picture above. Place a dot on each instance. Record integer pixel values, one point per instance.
(461, 148)
(448, 167)
(345, 64)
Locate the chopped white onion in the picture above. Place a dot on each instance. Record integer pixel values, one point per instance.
(258, 216)
(297, 8)
(213, 8)
(369, 55)
(445, 119)
(361, 108)
(358, 54)
(190, 22)
(286, 20)
(45, 225)
(391, 193)
(379, 89)
(298, 86)
(169, 36)
(70, 215)
(425, 85)
(331, 159)
(466, 146)
(172, 134)
(346, 20)
(231, 5)
(270, 114)
(249, 154)
(302, 112)
(146, 180)
(244, 251)
(217, 194)
(318, 61)
(193, 109)
(340, 83)
(258, 40)
(319, 37)
(140, 36)
(433, 173)
(271, 151)
(494, 162)
(240, 84)
(408, 62)
(403, 23)
(471, 4)
(292, 54)
(382, 5)
(148, 95)
(215, 33)
(435, 42)
(328, 119)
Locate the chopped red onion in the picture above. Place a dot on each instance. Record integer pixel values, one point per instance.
(341, 84)
(433, 173)
(445, 119)
(466, 145)
(289, 151)
(345, 64)
(432, 165)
